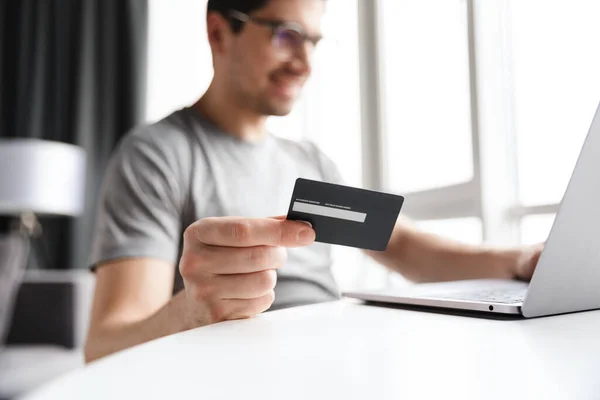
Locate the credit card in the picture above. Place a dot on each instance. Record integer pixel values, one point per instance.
(346, 215)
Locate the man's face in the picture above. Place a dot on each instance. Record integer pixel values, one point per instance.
(257, 73)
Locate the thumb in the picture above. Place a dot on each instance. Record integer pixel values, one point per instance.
(284, 217)
(279, 217)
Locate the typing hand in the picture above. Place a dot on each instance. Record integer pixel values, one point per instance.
(526, 261)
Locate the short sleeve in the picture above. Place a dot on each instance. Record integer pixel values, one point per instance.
(140, 208)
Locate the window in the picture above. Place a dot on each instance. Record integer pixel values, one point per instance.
(426, 94)
(179, 59)
(556, 90)
(429, 153)
(466, 230)
(536, 228)
(532, 92)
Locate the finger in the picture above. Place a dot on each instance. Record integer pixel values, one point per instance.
(249, 308)
(527, 272)
(247, 232)
(243, 286)
(283, 217)
(529, 261)
(240, 260)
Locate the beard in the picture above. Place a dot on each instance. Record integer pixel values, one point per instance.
(266, 101)
(263, 103)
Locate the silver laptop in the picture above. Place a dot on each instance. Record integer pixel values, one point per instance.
(567, 276)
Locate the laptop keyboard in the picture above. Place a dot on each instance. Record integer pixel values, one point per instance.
(491, 296)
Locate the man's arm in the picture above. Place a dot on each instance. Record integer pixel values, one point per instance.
(132, 305)
(424, 257)
(228, 267)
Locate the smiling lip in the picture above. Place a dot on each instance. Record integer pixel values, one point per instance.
(287, 87)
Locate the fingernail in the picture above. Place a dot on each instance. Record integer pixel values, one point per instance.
(306, 236)
(307, 223)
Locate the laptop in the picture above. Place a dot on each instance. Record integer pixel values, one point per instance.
(567, 275)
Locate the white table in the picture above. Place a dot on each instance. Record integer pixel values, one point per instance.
(346, 350)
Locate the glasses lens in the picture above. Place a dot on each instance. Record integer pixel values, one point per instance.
(287, 41)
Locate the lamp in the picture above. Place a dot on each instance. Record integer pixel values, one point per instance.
(41, 177)
(37, 177)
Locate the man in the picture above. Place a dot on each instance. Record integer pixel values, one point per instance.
(174, 190)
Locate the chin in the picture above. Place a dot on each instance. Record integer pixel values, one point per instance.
(280, 109)
(280, 112)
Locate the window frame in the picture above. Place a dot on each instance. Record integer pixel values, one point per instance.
(492, 193)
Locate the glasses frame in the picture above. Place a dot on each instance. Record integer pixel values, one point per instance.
(277, 26)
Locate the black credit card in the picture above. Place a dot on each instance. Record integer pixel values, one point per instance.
(346, 215)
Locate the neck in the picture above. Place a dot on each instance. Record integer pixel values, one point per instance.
(229, 116)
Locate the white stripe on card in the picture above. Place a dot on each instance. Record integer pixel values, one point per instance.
(329, 212)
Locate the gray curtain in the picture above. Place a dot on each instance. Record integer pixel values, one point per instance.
(73, 71)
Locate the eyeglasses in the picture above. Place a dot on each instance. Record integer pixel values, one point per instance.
(287, 37)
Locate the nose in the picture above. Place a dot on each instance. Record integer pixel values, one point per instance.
(301, 62)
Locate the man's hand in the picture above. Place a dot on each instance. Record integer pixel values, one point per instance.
(228, 265)
(526, 261)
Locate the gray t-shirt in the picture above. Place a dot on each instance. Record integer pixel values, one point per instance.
(167, 175)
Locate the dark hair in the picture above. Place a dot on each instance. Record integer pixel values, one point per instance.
(223, 7)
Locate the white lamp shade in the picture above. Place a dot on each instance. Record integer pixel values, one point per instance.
(43, 177)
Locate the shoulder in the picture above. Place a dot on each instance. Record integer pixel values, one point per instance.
(153, 157)
(163, 147)
(169, 137)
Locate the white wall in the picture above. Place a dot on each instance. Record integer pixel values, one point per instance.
(179, 60)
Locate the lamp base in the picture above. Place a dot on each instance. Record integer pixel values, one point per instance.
(30, 226)
(14, 249)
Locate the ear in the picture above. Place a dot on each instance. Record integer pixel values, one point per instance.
(218, 31)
